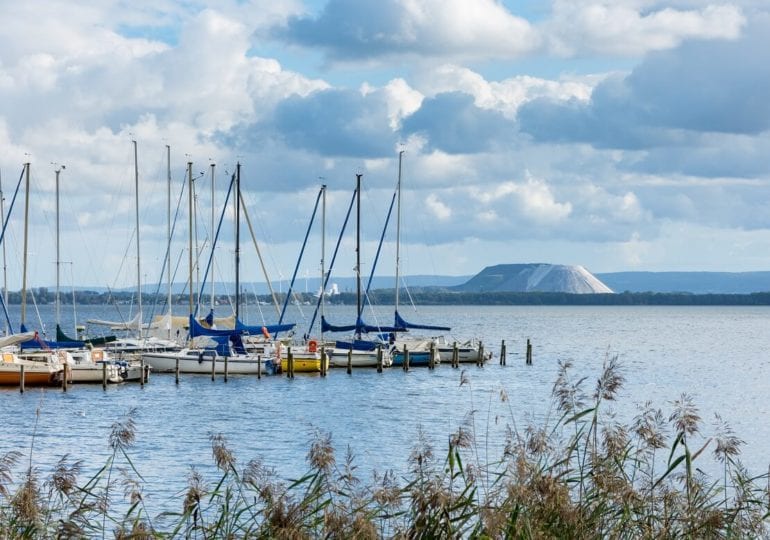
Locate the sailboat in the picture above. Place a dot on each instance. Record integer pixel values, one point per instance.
(215, 350)
(136, 336)
(83, 362)
(358, 352)
(421, 349)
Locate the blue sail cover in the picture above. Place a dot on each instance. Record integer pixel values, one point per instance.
(359, 327)
(357, 345)
(255, 330)
(197, 329)
(400, 322)
(39, 343)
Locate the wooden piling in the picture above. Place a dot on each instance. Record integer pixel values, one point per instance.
(213, 367)
(431, 358)
(379, 358)
(64, 377)
(21, 379)
(226, 364)
(259, 366)
(143, 375)
(502, 353)
(529, 353)
(104, 375)
(176, 372)
(406, 359)
(455, 355)
(290, 362)
(480, 360)
(323, 361)
(350, 360)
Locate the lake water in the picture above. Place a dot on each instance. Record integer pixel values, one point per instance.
(719, 355)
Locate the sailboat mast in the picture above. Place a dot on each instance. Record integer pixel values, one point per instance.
(58, 244)
(168, 236)
(213, 224)
(5, 266)
(138, 258)
(24, 257)
(358, 251)
(190, 231)
(237, 239)
(323, 253)
(398, 226)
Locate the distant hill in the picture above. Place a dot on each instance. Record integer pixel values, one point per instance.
(534, 277)
(690, 282)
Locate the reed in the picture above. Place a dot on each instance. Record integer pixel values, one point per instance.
(582, 475)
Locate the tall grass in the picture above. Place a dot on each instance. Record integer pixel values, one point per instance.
(580, 474)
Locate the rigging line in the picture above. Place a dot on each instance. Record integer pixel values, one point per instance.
(301, 253)
(216, 238)
(2, 237)
(331, 264)
(259, 255)
(168, 249)
(382, 238)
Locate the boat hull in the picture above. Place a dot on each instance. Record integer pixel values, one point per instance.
(416, 359)
(304, 363)
(10, 375)
(236, 365)
(359, 359)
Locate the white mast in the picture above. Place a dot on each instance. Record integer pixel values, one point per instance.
(138, 259)
(398, 226)
(58, 243)
(24, 257)
(5, 267)
(211, 232)
(168, 236)
(190, 231)
(323, 254)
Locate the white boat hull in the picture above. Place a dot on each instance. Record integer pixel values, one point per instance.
(190, 362)
(359, 359)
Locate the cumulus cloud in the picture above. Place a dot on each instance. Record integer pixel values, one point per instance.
(701, 91)
(454, 124)
(632, 28)
(360, 30)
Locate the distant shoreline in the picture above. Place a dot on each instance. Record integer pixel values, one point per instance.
(435, 297)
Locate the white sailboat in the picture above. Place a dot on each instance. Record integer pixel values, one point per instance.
(218, 357)
(359, 353)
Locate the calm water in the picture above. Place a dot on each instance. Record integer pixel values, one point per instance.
(719, 355)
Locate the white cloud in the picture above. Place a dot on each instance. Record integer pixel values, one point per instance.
(439, 210)
(633, 28)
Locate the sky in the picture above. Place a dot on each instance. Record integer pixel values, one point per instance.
(621, 135)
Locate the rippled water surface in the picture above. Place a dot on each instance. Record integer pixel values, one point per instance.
(719, 355)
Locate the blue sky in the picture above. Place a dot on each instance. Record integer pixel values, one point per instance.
(619, 135)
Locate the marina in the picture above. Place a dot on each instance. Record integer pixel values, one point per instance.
(378, 415)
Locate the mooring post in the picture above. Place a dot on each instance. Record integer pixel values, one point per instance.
(529, 353)
(176, 372)
(323, 361)
(64, 380)
(259, 366)
(350, 360)
(104, 375)
(480, 360)
(289, 363)
(21, 378)
(213, 367)
(226, 360)
(406, 358)
(432, 356)
(502, 353)
(379, 358)
(143, 375)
